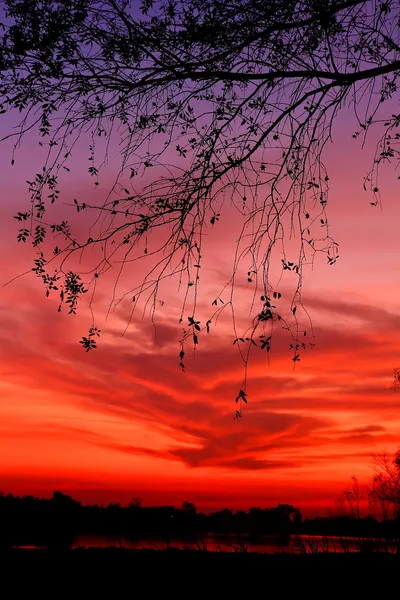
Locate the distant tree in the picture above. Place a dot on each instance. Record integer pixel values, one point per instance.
(291, 511)
(114, 506)
(135, 502)
(189, 508)
(64, 502)
(212, 104)
(350, 502)
(386, 482)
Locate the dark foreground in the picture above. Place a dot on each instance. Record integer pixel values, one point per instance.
(128, 558)
(121, 573)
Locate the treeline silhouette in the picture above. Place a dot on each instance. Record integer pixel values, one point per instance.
(29, 520)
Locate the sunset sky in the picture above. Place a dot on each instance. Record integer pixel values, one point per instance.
(124, 420)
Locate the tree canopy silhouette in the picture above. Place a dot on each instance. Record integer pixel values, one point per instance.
(212, 103)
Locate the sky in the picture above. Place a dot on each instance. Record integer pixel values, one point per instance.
(125, 421)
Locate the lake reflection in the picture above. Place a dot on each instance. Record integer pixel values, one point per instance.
(211, 542)
(297, 544)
